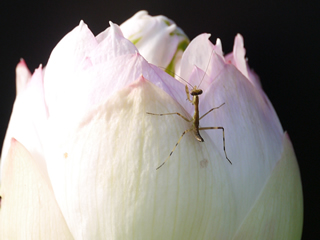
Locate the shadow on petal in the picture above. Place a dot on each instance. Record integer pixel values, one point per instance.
(278, 211)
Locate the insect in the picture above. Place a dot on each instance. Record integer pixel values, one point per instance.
(195, 93)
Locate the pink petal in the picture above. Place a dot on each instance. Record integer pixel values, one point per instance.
(64, 62)
(237, 58)
(28, 117)
(23, 76)
(202, 54)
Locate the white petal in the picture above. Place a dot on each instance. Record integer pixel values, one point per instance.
(253, 133)
(158, 38)
(218, 47)
(278, 211)
(28, 206)
(106, 170)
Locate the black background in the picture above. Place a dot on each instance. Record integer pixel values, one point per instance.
(281, 38)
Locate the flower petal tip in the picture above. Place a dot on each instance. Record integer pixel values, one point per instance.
(82, 23)
(140, 80)
(13, 141)
(172, 28)
(141, 14)
(286, 135)
(239, 37)
(22, 63)
(115, 29)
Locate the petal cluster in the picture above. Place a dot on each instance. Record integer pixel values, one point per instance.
(85, 148)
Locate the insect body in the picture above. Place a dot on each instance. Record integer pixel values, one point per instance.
(195, 92)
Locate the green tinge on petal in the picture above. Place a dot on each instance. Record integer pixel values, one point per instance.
(28, 206)
(167, 22)
(134, 40)
(170, 69)
(278, 212)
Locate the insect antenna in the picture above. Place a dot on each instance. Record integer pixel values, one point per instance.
(205, 72)
(171, 72)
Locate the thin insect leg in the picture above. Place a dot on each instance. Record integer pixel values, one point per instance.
(163, 114)
(174, 147)
(224, 144)
(210, 111)
(188, 94)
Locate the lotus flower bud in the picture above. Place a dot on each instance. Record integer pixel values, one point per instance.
(80, 155)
